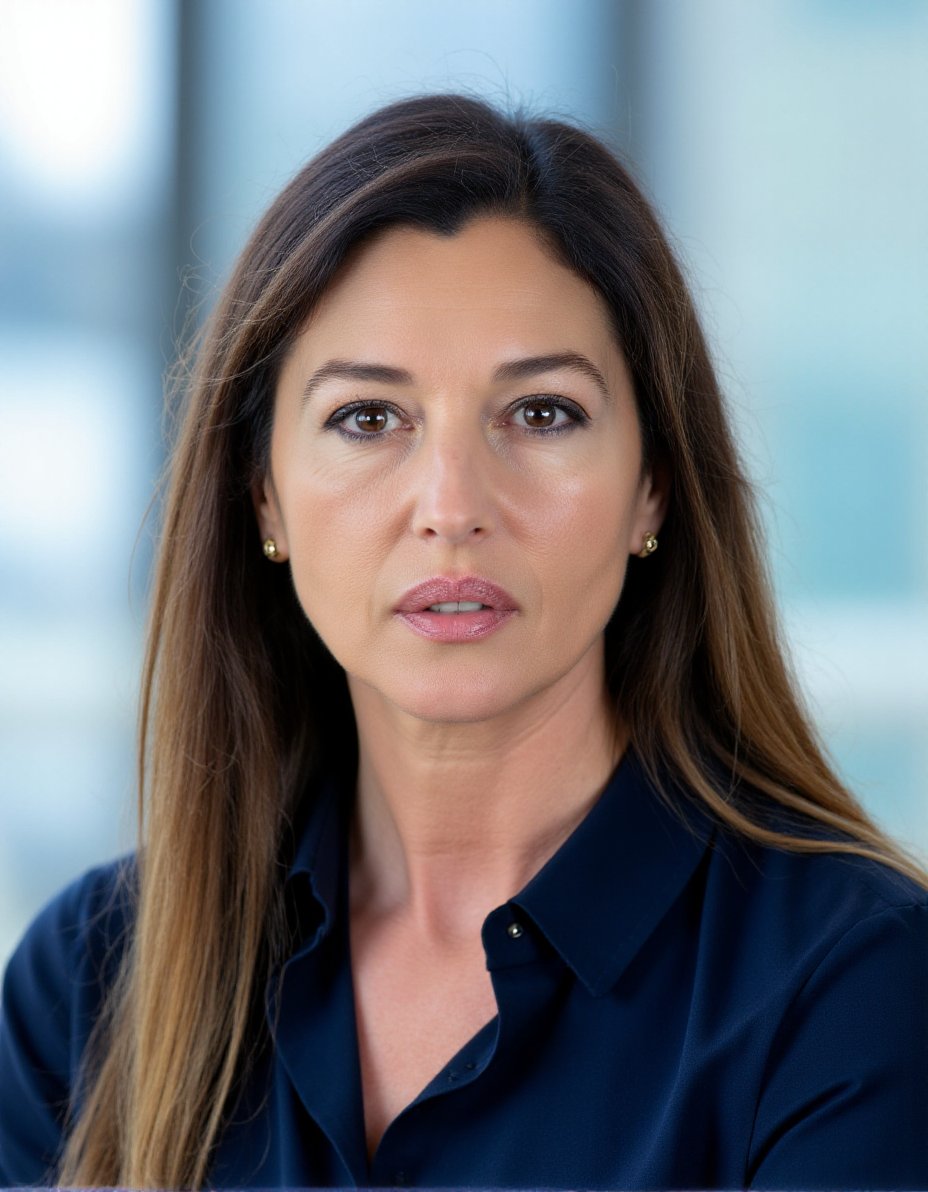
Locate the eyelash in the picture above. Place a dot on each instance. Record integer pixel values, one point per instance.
(337, 421)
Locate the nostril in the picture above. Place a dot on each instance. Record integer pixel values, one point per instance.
(473, 532)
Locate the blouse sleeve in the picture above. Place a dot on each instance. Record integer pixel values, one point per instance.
(845, 1098)
(52, 991)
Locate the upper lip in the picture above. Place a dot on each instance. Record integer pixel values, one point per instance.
(440, 590)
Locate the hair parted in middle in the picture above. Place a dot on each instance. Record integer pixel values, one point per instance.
(242, 704)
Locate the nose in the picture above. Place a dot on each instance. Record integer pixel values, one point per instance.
(454, 497)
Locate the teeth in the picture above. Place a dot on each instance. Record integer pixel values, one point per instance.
(456, 606)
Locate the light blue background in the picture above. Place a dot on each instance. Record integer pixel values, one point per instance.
(783, 141)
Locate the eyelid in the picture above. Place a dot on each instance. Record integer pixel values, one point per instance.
(568, 405)
(338, 417)
(578, 416)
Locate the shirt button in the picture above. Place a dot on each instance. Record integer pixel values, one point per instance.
(399, 1178)
(514, 930)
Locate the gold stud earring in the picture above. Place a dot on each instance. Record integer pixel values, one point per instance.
(649, 547)
(269, 547)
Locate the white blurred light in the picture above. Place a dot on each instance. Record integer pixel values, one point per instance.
(71, 89)
(65, 407)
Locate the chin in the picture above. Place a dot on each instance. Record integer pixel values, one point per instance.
(457, 711)
(455, 700)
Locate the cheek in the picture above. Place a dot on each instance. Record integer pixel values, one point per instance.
(589, 526)
(335, 535)
(586, 577)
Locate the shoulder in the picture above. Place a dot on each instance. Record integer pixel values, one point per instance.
(80, 931)
(817, 963)
(53, 991)
(783, 912)
(785, 936)
(834, 952)
(818, 894)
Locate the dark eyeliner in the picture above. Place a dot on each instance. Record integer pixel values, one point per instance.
(579, 417)
(337, 419)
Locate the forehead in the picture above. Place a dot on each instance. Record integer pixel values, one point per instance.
(493, 287)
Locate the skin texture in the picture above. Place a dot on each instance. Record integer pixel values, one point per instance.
(477, 759)
(457, 483)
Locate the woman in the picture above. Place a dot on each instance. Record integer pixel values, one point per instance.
(485, 840)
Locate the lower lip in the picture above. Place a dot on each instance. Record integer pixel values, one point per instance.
(457, 627)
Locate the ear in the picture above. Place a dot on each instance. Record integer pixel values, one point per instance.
(651, 509)
(268, 515)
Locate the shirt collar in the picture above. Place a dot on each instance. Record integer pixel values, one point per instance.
(319, 860)
(596, 901)
(613, 880)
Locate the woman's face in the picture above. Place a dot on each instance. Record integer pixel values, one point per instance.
(457, 414)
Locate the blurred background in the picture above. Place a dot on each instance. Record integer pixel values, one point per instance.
(784, 143)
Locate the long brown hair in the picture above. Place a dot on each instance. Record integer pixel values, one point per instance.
(241, 702)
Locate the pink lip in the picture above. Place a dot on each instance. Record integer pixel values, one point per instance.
(468, 587)
(413, 609)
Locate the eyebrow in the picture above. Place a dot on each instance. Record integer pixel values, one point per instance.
(531, 366)
(352, 370)
(512, 370)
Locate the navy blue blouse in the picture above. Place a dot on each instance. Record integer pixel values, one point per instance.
(677, 1008)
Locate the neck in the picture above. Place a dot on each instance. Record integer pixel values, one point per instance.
(454, 819)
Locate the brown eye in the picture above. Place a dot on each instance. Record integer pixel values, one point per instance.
(371, 419)
(538, 417)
